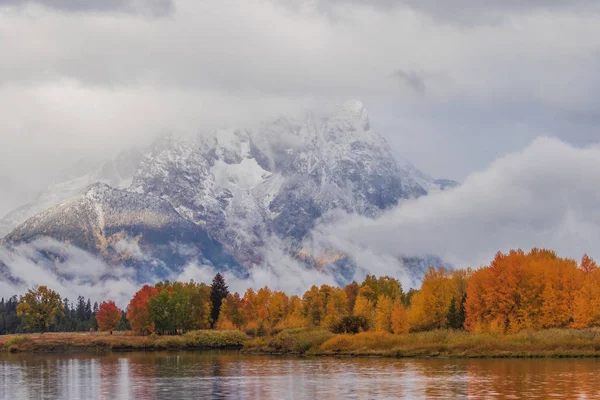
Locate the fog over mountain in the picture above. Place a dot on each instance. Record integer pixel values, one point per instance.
(13, 195)
(234, 200)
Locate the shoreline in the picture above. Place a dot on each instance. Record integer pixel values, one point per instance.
(306, 342)
(81, 342)
(551, 343)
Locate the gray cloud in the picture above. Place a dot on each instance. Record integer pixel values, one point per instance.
(462, 11)
(85, 84)
(543, 196)
(149, 7)
(77, 272)
(412, 79)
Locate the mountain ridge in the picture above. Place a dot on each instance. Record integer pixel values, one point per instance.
(247, 189)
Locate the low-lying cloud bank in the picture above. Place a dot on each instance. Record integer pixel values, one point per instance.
(64, 268)
(73, 272)
(547, 195)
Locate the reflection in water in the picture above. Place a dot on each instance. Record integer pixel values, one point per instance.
(229, 375)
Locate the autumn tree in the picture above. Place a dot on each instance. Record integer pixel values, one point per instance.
(588, 265)
(278, 309)
(364, 306)
(180, 307)
(384, 285)
(521, 290)
(399, 318)
(138, 310)
(108, 317)
(336, 307)
(39, 308)
(231, 315)
(383, 313)
(429, 306)
(249, 311)
(201, 306)
(314, 303)
(218, 291)
(295, 317)
(586, 307)
(351, 291)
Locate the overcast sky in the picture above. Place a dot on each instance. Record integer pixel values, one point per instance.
(451, 87)
(461, 88)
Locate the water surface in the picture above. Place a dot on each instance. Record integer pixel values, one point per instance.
(230, 375)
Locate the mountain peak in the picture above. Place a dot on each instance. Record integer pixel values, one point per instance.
(354, 106)
(350, 117)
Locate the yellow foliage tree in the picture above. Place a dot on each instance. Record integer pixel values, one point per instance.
(399, 318)
(39, 308)
(364, 306)
(294, 317)
(430, 305)
(383, 314)
(337, 306)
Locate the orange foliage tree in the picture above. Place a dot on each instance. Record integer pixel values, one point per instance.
(138, 311)
(521, 290)
(399, 318)
(586, 307)
(108, 317)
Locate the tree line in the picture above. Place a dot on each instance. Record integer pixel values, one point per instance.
(78, 316)
(516, 291)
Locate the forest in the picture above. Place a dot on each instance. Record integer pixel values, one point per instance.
(517, 291)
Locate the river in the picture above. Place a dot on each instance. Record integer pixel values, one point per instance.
(230, 375)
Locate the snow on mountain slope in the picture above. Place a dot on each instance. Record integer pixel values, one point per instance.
(253, 192)
(246, 186)
(125, 227)
(117, 173)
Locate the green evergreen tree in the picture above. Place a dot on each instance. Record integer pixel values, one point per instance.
(218, 292)
(88, 309)
(452, 321)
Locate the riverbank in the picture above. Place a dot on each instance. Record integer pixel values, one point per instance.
(442, 343)
(320, 342)
(101, 341)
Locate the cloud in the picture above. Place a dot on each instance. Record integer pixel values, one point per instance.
(75, 84)
(148, 7)
(412, 79)
(278, 271)
(544, 196)
(73, 272)
(462, 11)
(66, 269)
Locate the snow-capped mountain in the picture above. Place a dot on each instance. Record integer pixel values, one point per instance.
(245, 186)
(246, 190)
(128, 228)
(117, 173)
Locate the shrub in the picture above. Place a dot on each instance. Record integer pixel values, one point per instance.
(16, 340)
(297, 341)
(215, 339)
(350, 324)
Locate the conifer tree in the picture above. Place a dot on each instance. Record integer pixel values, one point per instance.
(218, 292)
(452, 316)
